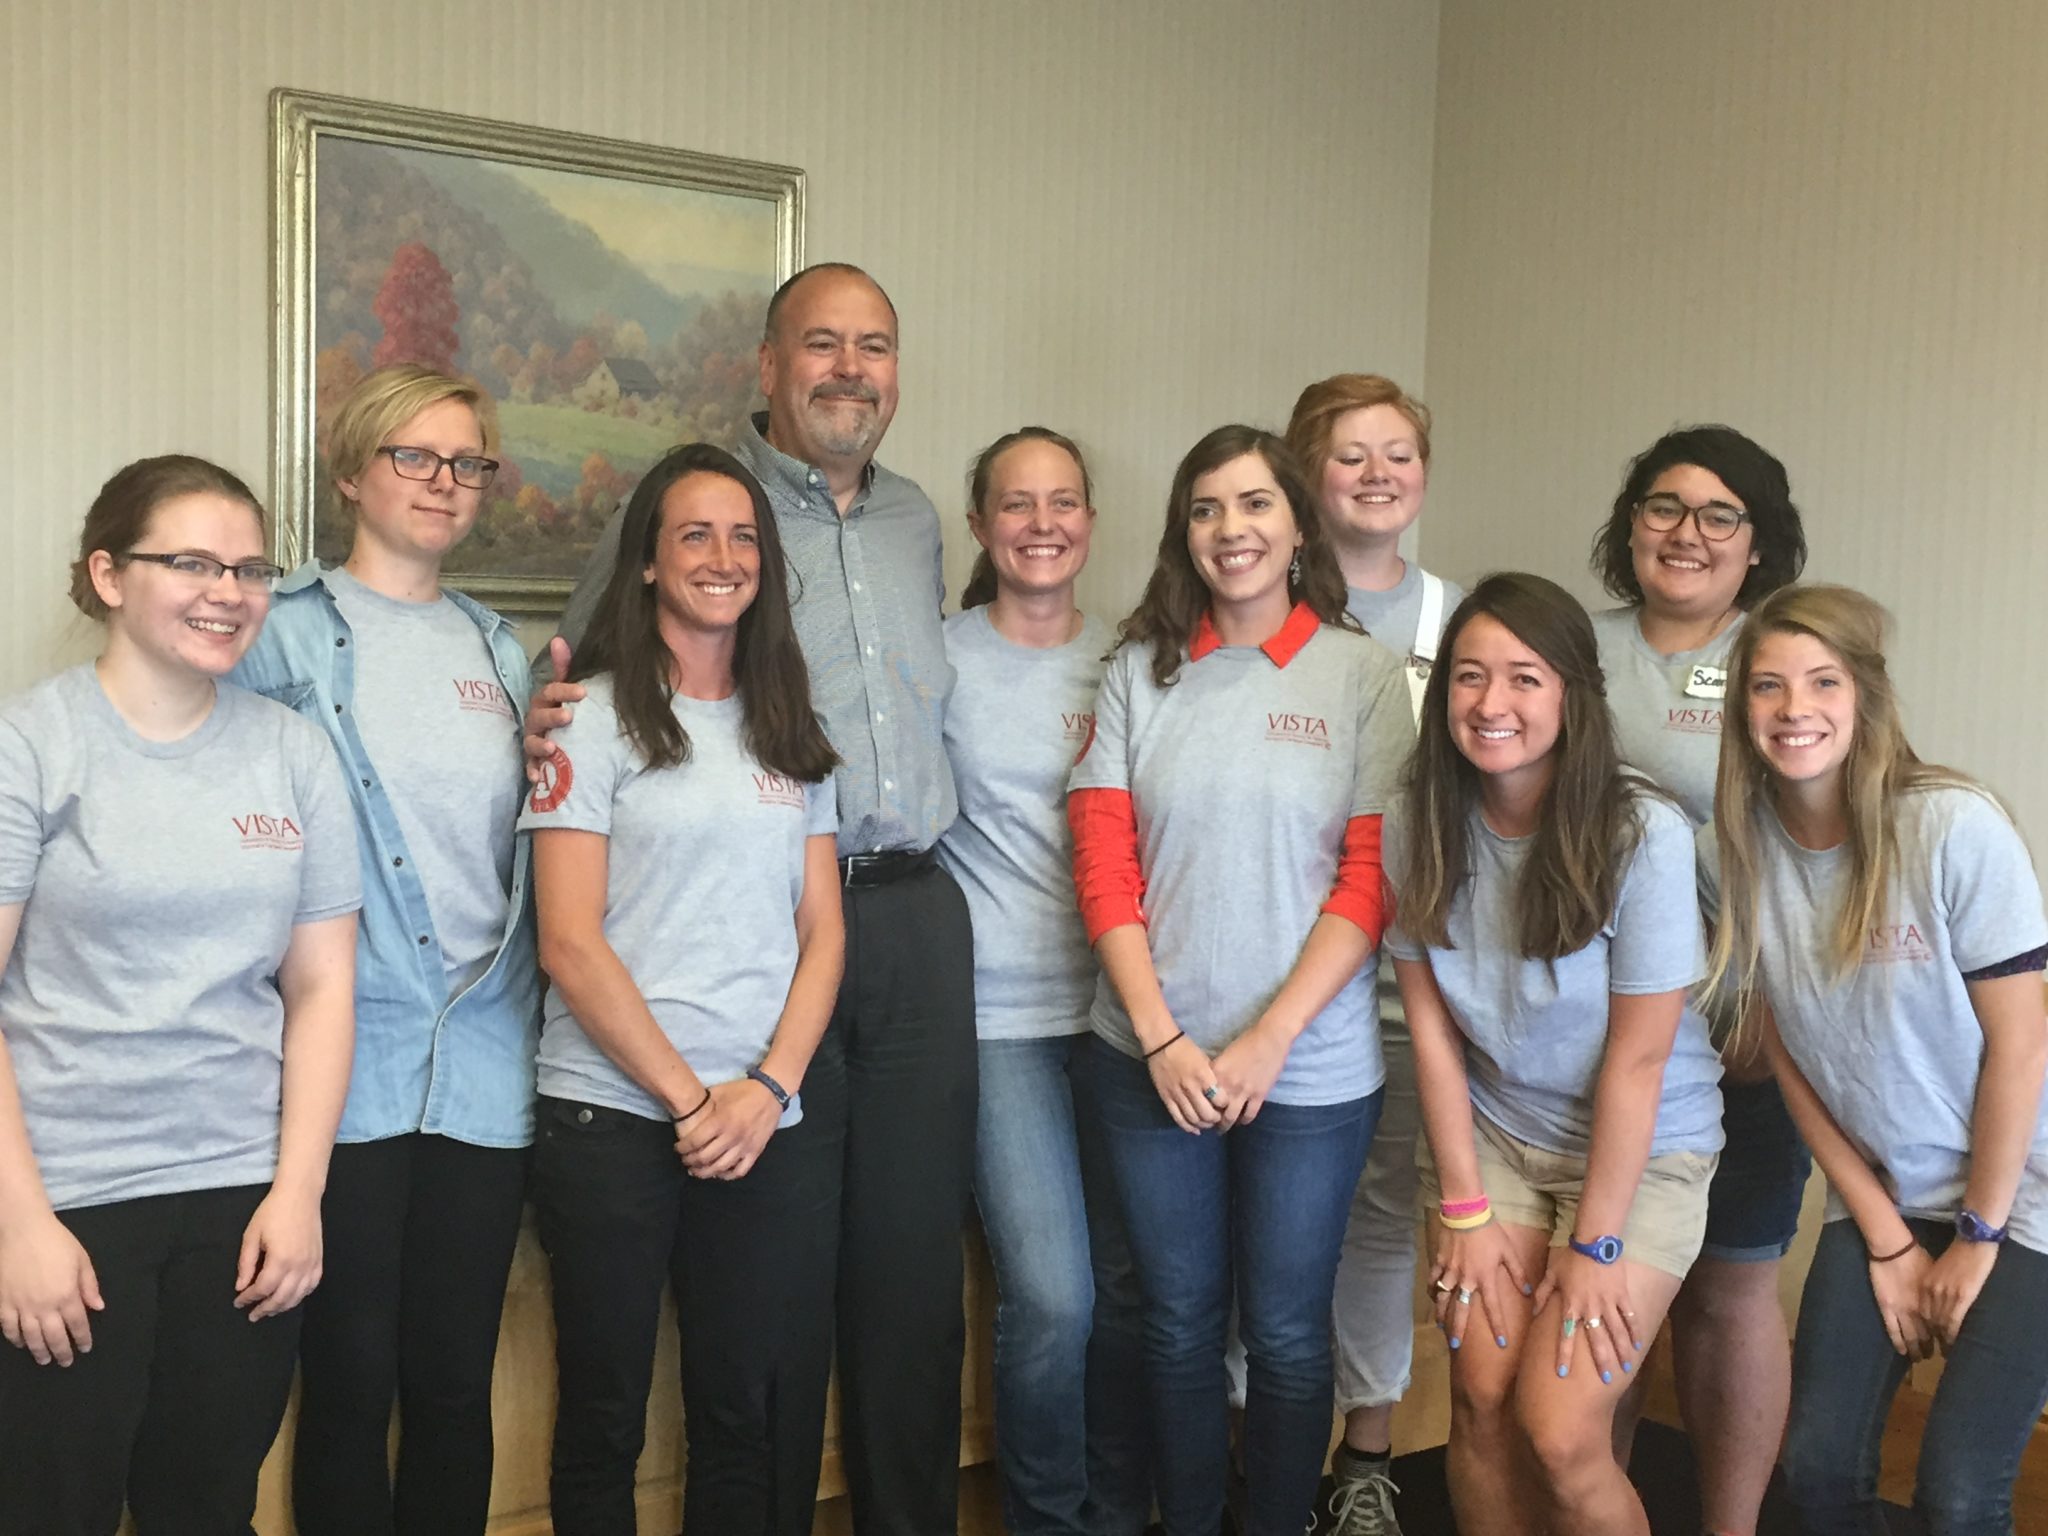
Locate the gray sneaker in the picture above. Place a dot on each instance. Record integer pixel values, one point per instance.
(1362, 1504)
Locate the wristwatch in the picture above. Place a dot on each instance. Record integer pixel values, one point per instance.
(756, 1075)
(1602, 1250)
(1972, 1228)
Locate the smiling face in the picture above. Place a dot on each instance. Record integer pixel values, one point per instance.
(1373, 477)
(1683, 575)
(1801, 707)
(1242, 536)
(1506, 703)
(185, 623)
(419, 520)
(829, 371)
(706, 568)
(1035, 521)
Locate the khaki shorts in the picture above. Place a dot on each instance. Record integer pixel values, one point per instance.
(1529, 1187)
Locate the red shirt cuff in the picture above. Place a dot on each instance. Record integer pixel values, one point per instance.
(1107, 880)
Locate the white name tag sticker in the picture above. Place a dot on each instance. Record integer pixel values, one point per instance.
(1707, 683)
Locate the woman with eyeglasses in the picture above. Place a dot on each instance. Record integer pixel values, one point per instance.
(178, 888)
(1882, 917)
(1703, 529)
(418, 691)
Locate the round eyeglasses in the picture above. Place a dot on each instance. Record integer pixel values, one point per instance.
(470, 470)
(1716, 520)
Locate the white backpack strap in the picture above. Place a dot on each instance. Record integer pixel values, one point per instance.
(1429, 624)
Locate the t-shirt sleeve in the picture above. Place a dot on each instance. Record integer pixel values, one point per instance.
(1393, 854)
(582, 774)
(1706, 850)
(1104, 760)
(21, 814)
(331, 879)
(821, 807)
(1386, 733)
(1659, 944)
(1987, 885)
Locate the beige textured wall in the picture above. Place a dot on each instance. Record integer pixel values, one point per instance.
(1825, 223)
(1130, 220)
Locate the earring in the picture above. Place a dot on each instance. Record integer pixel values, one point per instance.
(1294, 569)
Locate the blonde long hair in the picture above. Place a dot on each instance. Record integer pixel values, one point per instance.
(1880, 768)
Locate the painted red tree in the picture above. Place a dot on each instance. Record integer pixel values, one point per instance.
(418, 308)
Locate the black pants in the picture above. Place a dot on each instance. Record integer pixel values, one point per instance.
(176, 1406)
(419, 1239)
(906, 1017)
(752, 1264)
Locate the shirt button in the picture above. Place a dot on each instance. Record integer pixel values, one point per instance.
(398, 863)
(337, 709)
(856, 586)
(880, 717)
(423, 941)
(871, 650)
(583, 1117)
(366, 783)
(888, 783)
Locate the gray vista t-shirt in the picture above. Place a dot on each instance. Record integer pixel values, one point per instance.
(1667, 709)
(1894, 1049)
(160, 883)
(1243, 776)
(442, 732)
(1018, 717)
(703, 875)
(1536, 1030)
(1392, 617)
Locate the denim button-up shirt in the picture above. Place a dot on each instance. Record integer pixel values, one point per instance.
(461, 1067)
(865, 595)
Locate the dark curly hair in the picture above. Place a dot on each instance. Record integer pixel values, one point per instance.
(1746, 468)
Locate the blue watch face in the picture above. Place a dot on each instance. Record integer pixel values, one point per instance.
(1973, 1228)
(1602, 1250)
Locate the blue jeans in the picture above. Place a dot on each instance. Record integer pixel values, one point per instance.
(1844, 1374)
(1265, 1206)
(1070, 1368)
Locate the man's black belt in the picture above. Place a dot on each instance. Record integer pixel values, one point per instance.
(884, 868)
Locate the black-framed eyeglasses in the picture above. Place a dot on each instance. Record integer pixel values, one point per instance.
(469, 469)
(250, 573)
(1716, 520)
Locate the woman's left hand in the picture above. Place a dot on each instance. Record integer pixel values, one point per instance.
(1246, 1070)
(281, 1255)
(723, 1140)
(1596, 1307)
(1951, 1284)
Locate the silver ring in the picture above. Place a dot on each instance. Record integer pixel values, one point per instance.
(1209, 1093)
(1592, 1322)
(1464, 1297)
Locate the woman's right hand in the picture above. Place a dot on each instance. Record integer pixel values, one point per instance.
(1899, 1286)
(549, 710)
(1478, 1263)
(47, 1288)
(1180, 1074)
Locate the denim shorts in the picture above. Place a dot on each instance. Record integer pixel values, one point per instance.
(1753, 1204)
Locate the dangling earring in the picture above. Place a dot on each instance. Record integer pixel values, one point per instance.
(1294, 569)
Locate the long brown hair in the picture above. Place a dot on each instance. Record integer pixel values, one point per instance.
(981, 582)
(1176, 597)
(1589, 825)
(1880, 767)
(779, 728)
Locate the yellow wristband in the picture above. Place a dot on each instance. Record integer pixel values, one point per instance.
(1466, 1223)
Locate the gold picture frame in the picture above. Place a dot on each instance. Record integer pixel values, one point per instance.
(608, 294)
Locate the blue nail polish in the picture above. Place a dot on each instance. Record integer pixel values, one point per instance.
(1626, 1366)
(1501, 1339)
(1607, 1378)
(1528, 1290)
(1564, 1370)
(1454, 1343)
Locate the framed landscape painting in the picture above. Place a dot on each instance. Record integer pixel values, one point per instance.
(609, 296)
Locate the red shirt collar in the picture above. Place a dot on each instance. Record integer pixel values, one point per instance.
(1281, 648)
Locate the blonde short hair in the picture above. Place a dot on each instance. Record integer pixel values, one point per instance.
(386, 400)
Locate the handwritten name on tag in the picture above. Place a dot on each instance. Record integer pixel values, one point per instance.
(1707, 683)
